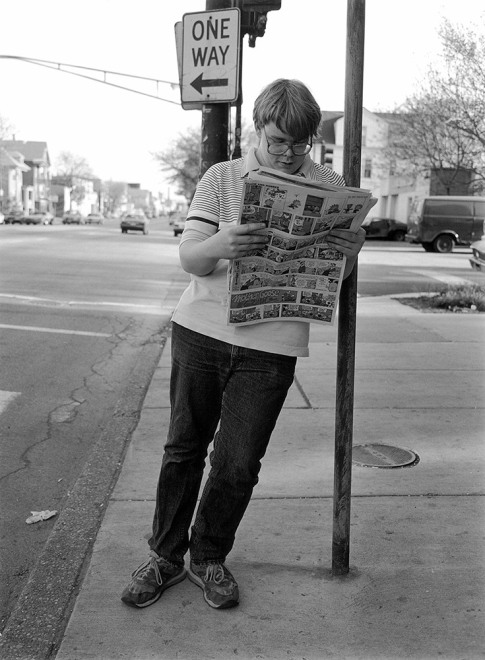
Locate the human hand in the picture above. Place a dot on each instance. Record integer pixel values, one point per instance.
(238, 240)
(346, 241)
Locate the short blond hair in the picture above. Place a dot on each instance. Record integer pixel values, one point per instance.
(291, 106)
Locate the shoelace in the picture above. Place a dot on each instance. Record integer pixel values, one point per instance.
(151, 563)
(214, 573)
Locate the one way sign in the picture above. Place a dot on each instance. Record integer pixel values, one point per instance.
(210, 56)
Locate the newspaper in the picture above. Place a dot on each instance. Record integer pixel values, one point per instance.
(297, 275)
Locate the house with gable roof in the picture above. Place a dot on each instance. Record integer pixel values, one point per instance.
(36, 193)
(12, 166)
(396, 194)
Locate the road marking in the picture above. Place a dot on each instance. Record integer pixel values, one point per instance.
(442, 277)
(34, 328)
(6, 398)
(155, 309)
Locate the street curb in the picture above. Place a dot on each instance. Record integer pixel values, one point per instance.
(37, 623)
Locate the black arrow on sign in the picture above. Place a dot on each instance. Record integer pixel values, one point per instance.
(198, 83)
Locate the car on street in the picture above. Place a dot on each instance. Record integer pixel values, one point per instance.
(178, 224)
(38, 218)
(441, 222)
(94, 219)
(386, 228)
(134, 222)
(477, 260)
(73, 218)
(2, 218)
(14, 218)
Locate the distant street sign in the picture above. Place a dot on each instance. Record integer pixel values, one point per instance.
(210, 56)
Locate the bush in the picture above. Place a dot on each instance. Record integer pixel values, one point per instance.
(452, 298)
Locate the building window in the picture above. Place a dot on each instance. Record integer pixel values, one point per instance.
(384, 199)
(368, 168)
(393, 206)
(328, 158)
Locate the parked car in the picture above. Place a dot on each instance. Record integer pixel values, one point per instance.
(38, 218)
(14, 218)
(2, 218)
(73, 218)
(392, 230)
(178, 224)
(477, 260)
(94, 219)
(440, 223)
(134, 222)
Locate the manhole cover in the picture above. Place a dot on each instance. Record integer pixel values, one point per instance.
(383, 456)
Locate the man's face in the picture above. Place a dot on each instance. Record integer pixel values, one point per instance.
(286, 162)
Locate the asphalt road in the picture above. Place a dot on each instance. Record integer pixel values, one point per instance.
(81, 309)
(387, 268)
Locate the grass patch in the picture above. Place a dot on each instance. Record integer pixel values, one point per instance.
(465, 298)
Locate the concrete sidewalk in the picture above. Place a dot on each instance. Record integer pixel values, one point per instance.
(416, 585)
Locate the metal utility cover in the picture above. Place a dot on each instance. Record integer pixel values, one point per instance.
(382, 456)
(210, 56)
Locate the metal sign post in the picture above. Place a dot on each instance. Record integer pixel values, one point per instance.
(354, 75)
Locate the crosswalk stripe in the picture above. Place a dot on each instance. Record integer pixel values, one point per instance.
(6, 398)
(34, 328)
(442, 277)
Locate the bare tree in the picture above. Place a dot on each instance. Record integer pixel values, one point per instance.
(425, 139)
(6, 128)
(69, 164)
(463, 83)
(71, 168)
(442, 126)
(115, 194)
(182, 160)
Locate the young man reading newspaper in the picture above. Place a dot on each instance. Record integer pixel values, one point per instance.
(228, 383)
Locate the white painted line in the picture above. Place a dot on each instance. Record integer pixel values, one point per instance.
(85, 303)
(33, 328)
(442, 277)
(6, 398)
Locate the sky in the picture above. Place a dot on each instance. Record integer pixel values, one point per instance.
(117, 131)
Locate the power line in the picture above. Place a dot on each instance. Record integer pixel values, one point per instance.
(56, 66)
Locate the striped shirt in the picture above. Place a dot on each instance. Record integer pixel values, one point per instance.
(203, 305)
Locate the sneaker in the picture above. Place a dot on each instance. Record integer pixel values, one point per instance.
(150, 580)
(219, 586)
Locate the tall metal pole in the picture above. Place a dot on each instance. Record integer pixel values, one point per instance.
(237, 153)
(354, 75)
(215, 119)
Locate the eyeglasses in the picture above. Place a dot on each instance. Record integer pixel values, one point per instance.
(280, 148)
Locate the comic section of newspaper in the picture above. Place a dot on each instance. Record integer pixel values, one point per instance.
(297, 275)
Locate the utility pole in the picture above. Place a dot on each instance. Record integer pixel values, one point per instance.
(354, 75)
(215, 119)
(215, 116)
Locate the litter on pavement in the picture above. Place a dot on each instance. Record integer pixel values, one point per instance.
(37, 516)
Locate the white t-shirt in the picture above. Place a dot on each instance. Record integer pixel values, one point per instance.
(203, 305)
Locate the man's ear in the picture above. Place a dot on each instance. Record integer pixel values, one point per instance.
(258, 131)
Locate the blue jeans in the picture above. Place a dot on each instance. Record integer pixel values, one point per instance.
(239, 392)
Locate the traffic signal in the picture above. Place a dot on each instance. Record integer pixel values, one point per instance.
(260, 5)
(254, 17)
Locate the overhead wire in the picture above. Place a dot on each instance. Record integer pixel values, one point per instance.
(56, 66)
